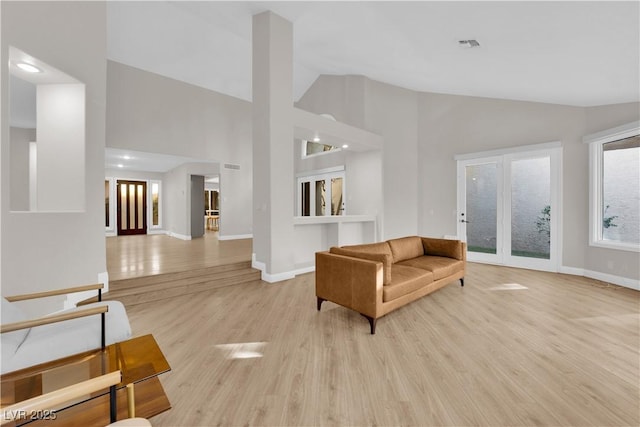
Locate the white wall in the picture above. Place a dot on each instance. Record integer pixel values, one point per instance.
(150, 113)
(60, 141)
(392, 112)
(177, 194)
(41, 250)
(236, 202)
(19, 177)
(451, 125)
(175, 189)
(363, 178)
(601, 260)
(388, 111)
(446, 125)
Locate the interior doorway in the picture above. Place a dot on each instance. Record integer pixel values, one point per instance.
(132, 207)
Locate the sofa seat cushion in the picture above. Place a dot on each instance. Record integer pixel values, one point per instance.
(404, 280)
(441, 267)
(379, 252)
(406, 248)
(57, 340)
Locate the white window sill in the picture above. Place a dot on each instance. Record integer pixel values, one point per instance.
(620, 246)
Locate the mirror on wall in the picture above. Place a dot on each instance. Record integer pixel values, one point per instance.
(46, 137)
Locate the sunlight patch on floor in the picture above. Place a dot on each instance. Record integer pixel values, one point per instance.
(247, 350)
(508, 287)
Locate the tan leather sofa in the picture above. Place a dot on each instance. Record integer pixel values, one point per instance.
(377, 278)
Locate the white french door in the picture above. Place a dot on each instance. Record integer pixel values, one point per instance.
(509, 210)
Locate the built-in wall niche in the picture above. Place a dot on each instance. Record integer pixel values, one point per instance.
(47, 137)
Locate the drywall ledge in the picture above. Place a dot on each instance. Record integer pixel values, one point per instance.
(309, 126)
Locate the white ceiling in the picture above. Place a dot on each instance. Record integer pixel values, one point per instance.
(573, 53)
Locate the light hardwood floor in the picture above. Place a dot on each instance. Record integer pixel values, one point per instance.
(144, 255)
(511, 348)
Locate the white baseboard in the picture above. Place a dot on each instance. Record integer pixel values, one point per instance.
(178, 236)
(156, 231)
(605, 277)
(616, 280)
(304, 270)
(279, 277)
(574, 271)
(235, 236)
(257, 264)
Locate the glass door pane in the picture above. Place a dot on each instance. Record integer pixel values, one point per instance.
(305, 198)
(336, 196)
(155, 204)
(320, 198)
(531, 208)
(106, 202)
(481, 214)
(508, 208)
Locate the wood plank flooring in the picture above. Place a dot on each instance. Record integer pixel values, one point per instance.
(511, 348)
(143, 255)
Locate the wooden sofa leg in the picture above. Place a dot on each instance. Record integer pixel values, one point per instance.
(372, 323)
(462, 281)
(320, 301)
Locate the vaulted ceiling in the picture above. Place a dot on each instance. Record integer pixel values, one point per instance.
(573, 53)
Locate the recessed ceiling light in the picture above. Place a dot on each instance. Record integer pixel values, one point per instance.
(120, 165)
(316, 139)
(28, 67)
(126, 157)
(345, 146)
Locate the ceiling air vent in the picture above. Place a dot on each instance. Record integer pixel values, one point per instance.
(469, 43)
(231, 166)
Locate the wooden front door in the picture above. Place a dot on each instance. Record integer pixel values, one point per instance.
(132, 207)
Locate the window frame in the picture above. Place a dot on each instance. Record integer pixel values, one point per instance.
(324, 174)
(596, 142)
(304, 154)
(150, 184)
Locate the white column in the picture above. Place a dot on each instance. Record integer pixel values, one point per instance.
(273, 146)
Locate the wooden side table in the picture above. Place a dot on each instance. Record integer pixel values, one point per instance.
(139, 359)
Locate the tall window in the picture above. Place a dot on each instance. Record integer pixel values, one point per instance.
(156, 207)
(615, 187)
(321, 194)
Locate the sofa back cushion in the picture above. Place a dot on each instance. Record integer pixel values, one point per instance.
(12, 340)
(406, 248)
(379, 252)
(443, 247)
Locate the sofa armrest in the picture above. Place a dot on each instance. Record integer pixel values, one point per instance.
(456, 249)
(354, 283)
(16, 326)
(24, 297)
